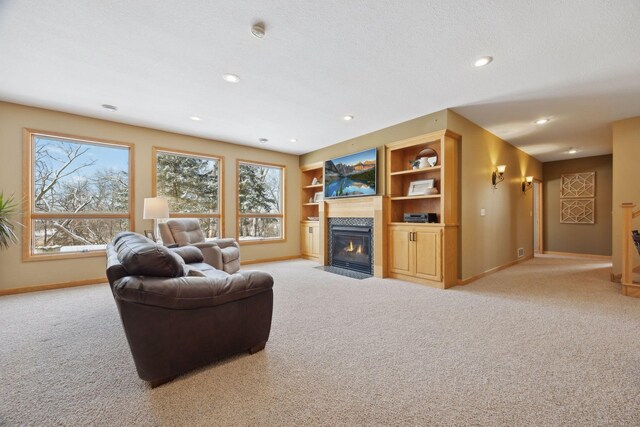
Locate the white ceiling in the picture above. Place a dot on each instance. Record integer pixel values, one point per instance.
(385, 62)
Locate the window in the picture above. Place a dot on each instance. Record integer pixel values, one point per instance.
(191, 183)
(260, 202)
(78, 196)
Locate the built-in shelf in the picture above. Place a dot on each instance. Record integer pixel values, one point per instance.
(426, 196)
(419, 224)
(309, 229)
(412, 171)
(423, 252)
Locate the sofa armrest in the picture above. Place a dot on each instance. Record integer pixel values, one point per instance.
(205, 244)
(184, 293)
(224, 243)
(212, 255)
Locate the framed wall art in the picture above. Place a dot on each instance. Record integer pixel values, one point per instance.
(578, 185)
(577, 211)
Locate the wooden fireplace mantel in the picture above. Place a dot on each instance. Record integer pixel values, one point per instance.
(358, 207)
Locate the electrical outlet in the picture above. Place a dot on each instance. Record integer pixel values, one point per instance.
(520, 252)
(482, 212)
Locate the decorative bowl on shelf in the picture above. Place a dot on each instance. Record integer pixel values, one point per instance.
(313, 218)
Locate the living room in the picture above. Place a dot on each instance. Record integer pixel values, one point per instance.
(533, 327)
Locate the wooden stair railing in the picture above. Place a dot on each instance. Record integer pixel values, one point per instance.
(628, 249)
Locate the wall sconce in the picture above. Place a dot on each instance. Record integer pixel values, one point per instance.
(498, 175)
(527, 184)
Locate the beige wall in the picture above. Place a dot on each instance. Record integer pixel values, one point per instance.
(486, 242)
(492, 240)
(626, 180)
(13, 118)
(424, 124)
(592, 239)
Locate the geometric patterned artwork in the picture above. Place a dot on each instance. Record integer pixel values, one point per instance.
(577, 211)
(578, 185)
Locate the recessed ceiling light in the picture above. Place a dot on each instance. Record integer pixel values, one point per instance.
(481, 62)
(293, 140)
(195, 118)
(263, 140)
(111, 108)
(542, 121)
(347, 118)
(572, 151)
(231, 78)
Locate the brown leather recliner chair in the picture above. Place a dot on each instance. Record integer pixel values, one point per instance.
(180, 313)
(223, 254)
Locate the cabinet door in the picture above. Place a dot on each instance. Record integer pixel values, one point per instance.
(400, 250)
(315, 243)
(428, 244)
(306, 240)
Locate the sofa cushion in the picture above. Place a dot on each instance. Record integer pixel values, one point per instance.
(191, 271)
(186, 231)
(189, 254)
(143, 257)
(210, 271)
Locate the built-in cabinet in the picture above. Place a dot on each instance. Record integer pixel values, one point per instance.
(310, 239)
(423, 252)
(311, 183)
(416, 251)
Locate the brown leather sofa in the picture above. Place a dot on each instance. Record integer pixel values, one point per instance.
(180, 313)
(222, 254)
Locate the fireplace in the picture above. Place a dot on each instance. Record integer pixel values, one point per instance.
(351, 244)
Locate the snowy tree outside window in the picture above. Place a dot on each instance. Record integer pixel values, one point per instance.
(79, 195)
(260, 202)
(191, 184)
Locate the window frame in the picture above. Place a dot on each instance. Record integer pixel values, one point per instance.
(282, 214)
(28, 208)
(154, 183)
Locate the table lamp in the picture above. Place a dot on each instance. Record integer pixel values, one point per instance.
(155, 208)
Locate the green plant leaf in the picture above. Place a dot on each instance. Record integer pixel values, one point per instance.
(8, 208)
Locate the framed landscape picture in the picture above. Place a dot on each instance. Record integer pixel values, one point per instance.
(352, 175)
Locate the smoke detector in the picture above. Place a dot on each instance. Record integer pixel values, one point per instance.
(258, 30)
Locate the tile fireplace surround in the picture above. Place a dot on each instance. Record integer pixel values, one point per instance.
(333, 227)
(355, 211)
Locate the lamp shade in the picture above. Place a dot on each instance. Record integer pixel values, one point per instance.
(155, 208)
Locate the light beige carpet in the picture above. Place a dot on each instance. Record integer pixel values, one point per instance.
(547, 342)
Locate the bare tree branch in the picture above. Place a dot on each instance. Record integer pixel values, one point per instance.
(72, 156)
(60, 227)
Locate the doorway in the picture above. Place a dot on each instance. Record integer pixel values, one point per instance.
(538, 243)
